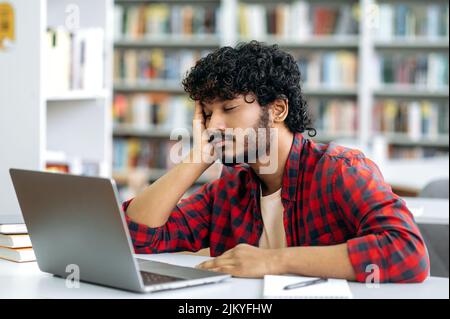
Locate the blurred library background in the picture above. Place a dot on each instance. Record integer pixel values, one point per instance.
(375, 75)
(93, 87)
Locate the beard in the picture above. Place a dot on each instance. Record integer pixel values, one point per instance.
(251, 149)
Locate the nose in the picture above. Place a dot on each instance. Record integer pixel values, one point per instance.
(216, 122)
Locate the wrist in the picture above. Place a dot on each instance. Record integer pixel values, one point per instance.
(199, 158)
(284, 260)
(278, 261)
(195, 161)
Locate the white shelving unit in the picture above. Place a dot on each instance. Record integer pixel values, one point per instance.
(33, 123)
(170, 42)
(78, 95)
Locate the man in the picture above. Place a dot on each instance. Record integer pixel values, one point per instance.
(324, 211)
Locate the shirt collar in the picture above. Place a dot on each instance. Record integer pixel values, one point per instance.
(291, 172)
(292, 169)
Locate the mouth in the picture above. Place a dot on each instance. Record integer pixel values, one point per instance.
(221, 143)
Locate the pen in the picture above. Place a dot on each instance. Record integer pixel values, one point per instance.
(305, 283)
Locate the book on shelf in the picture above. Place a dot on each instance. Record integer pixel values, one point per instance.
(58, 53)
(415, 120)
(132, 153)
(428, 70)
(59, 162)
(153, 111)
(57, 167)
(328, 69)
(75, 60)
(298, 20)
(132, 182)
(133, 66)
(412, 20)
(18, 254)
(88, 59)
(415, 152)
(334, 117)
(159, 20)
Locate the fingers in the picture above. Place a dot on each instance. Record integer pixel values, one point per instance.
(238, 249)
(220, 264)
(198, 112)
(232, 270)
(216, 262)
(225, 269)
(232, 253)
(228, 253)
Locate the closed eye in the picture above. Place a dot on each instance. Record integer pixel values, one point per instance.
(230, 108)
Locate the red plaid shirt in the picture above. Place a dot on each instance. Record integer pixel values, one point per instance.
(331, 195)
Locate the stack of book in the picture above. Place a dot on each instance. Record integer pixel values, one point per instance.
(328, 69)
(133, 153)
(414, 119)
(334, 117)
(412, 20)
(60, 162)
(139, 66)
(153, 111)
(420, 69)
(160, 19)
(15, 244)
(75, 60)
(415, 152)
(298, 20)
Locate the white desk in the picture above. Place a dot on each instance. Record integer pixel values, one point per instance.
(428, 210)
(414, 175)
(26, 281)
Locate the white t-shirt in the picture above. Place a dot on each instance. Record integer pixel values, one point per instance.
(272, 210)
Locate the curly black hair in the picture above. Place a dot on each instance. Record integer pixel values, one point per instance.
(254, 67)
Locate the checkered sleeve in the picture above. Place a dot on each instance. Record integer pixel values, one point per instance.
(187, 228)
(388, 242)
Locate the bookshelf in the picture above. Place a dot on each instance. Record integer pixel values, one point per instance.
(418, 43)
(361, 33)
(157, 87)
(317, 42)
(170, 42)
(48, 121)
(411, 92)
(415, 36)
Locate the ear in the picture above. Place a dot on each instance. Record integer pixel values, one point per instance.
(280, 110)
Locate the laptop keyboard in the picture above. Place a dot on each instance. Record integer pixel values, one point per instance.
(150, 278)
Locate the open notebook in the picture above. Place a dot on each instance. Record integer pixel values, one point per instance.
(333, 288)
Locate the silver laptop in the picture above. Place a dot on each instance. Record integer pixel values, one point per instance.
(77, 220)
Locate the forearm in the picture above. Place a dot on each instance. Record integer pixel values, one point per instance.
(322, 261)
(153, 206)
